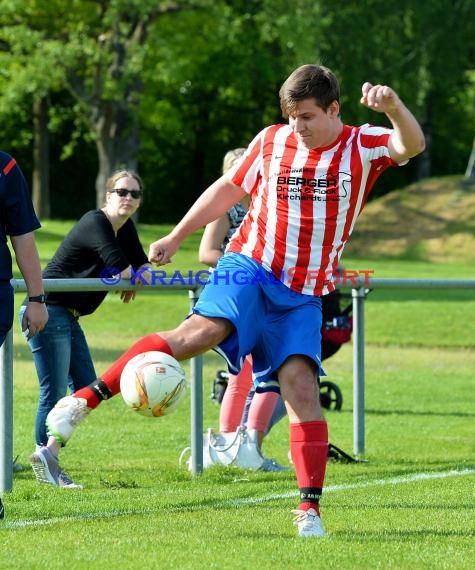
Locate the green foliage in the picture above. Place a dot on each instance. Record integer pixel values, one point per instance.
(186, 80)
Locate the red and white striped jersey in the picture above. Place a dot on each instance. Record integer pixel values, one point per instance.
(304, 203)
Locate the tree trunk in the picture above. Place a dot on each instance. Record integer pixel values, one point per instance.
(117, 143)
(40, 176)
(470, 171)
(105, 154)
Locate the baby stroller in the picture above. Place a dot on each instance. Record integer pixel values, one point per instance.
(336, 331)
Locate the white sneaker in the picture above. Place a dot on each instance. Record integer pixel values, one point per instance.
(65, 416)
(47, 470)
(308, 523)
(45, 466)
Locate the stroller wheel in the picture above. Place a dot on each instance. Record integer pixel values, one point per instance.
(220, 383)
(331, 397)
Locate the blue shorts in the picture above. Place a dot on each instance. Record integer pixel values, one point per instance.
(271, 321)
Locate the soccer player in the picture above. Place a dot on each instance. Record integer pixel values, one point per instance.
(308, 182)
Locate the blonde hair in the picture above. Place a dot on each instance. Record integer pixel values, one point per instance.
(118, 174)
(231, 157)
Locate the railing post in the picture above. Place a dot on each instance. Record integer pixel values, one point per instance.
(358, 296)
(6, 413)
(196, 370)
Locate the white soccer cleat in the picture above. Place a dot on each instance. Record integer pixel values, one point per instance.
(65, 416)
(308, 523)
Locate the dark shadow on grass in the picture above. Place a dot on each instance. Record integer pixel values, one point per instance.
(404, 506)
(392, 535)
(421, 413)
(420, 295)
(425, 413)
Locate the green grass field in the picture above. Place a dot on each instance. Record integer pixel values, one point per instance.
(411, 505)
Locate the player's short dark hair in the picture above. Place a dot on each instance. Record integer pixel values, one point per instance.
(306, 82)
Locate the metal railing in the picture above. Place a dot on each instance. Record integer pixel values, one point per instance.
(359, 289)
(6, 372)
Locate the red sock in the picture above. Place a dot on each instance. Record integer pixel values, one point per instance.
(110, 379)
(309, 449)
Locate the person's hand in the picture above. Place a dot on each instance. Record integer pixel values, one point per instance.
(161, 251)
(127, 296)
(144, 275)
(34, 320)
(380, 98)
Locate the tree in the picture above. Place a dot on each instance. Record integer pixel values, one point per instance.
(169, 86)
(97, 55)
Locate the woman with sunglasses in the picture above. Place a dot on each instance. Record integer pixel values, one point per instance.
(103, 244)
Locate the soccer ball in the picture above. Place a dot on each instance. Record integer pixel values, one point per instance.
(153, 383)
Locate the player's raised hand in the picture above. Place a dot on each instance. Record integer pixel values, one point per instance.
(380, 98)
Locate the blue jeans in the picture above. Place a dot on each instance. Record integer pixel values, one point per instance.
(62, 360)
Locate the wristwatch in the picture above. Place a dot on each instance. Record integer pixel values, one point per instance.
(37, 299)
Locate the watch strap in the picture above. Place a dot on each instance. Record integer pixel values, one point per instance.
(37, 298)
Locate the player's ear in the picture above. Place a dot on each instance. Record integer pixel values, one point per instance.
(334, 109)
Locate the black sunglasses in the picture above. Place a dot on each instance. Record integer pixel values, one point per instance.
(122, 192)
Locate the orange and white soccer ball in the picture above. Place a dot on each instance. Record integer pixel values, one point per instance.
(153, 383)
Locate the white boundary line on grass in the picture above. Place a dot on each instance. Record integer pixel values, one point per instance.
(242, 502)
(362, 485)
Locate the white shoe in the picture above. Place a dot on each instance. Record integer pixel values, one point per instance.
(308, 523)
(45, 466)
(47, 470)
(65, 416)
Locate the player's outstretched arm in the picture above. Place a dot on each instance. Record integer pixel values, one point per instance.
(407, 139)
(213, 203)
